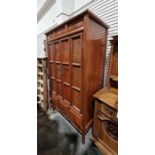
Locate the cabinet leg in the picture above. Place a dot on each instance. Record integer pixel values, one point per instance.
(83, 138)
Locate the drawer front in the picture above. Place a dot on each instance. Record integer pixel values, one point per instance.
(50, 36)
(63, 107)
(75, 117)
(75, 25)
(60, 31)
(111, 113)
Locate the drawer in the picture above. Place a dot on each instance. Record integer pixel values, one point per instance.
(75, 117)
(63, 107)
(110, 112)
(50, 36)
(60, 30)
(75, 25)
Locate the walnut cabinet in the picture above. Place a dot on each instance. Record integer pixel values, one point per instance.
(76, 57)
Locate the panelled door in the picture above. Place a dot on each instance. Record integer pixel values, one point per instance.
(76, 75)
(65, 63)
(58, 68)
(66, 76)
(52, 72)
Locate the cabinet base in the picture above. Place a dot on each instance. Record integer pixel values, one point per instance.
(103, 147)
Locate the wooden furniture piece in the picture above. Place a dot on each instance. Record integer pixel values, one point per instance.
(113, 71)
(76, 56)
(105, 125)
(42, 81)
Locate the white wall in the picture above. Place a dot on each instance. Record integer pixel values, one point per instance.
(48, 19)
(59, 11)
(80, 3)
(68, 6)
(40, 46)
(39, 4)
(52, 16)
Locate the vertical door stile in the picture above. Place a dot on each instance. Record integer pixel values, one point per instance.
(61, 68)
(69, 66)
(48, 58)
(71, 50)
(81, 44)
(54, 64)
(76, 71)
(66, 69)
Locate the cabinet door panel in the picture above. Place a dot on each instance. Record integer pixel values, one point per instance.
(76, 64)
(58, 71)
(76, 77)
(66, 92)
(52, 69)
(59, 88)
(76, 99)
(76, 49)
(65, 51)
(51, 53)
(66, 74)
(53, 86)
(66, 69)
(57, 51)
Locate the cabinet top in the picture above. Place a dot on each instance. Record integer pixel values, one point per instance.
(108, 96)
(82, 14)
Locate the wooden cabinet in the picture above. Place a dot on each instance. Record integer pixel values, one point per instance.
(76, 57)
(105, 124)
(113, 71)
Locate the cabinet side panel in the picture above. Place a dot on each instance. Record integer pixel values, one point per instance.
(95, 61)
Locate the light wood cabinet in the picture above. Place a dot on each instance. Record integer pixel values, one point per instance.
(76, 57)
(105, 124)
